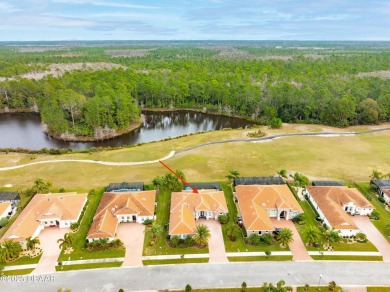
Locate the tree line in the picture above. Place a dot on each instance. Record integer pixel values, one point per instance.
(304, 90)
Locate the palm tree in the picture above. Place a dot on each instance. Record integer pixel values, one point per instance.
(155, 230)
(311, 234)
(233, 231)
(65, 242)
(32, 242)
(10, 250)
(282, 173)
(233, 174)
(202, 234)
(376, 174)
(333, 236)
(285, 236)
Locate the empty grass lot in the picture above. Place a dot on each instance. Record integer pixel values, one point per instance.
(214, 161)
(79, 237)
(162, 218)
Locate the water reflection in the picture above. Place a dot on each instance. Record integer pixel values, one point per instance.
(24, 130)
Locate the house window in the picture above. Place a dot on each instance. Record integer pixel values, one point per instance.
(66, 223)
(51, 222)
(259, 232)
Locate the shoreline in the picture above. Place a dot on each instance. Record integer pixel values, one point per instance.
(73, 138)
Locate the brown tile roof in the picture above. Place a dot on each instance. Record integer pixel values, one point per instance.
(185, 203)
(331, 200)
(4, 206)
(117, 203)
(61, 206)
(255, 200)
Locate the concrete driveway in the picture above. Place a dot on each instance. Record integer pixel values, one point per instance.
(48, 238)
(132, 235)
(297, 247)
(373, 235)
(217, 253)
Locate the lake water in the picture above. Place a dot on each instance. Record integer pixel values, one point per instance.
(24, 130)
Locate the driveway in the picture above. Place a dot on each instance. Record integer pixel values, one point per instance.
(217, 253)
(48, 238)
(132, 235)
(373, 235)
(297, 247)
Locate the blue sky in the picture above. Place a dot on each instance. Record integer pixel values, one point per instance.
(194, 20)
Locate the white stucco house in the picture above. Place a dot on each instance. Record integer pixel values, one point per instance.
(335, 206)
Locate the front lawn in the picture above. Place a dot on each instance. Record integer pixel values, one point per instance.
(260, 258)
(347, 258)
(88, 266)
(239, 245)
(162, 218)
(174, 261)
(384, 217)
(23, 261)
(79, 237)
(17, 272)
(378, 289)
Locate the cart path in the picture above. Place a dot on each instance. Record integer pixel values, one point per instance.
(174, 153)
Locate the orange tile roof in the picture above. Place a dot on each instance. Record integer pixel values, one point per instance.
(255, 200)
(61, 206)
(331, 200)
(386, 192)
(185, 203)
(3, 207)
(105, 221)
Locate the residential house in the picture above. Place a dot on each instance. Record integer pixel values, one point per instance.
(12, 197)
(187, 207)
(383, 188)
(259, 203)
(335, 206)
(5, 209)
(46, 210)
(118, 207)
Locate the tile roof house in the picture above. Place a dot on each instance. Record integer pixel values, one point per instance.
(117, 207)
(12, 197)
(259, 203)
(5, 209)
(386, 195)
(46, 210)
(334, 203)
(186, 207)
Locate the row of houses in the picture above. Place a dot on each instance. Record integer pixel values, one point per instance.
(258, 200)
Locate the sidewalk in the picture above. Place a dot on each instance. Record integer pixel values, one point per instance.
(258, 253)
(92, 261)
(20, 267)
(346, 253)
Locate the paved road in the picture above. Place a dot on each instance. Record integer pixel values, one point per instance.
(210, 275)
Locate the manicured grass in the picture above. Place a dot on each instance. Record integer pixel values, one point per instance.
(162, 218)
(260, 258)
(174, 261)
(378, 289)
(213, 162)
(348, 258)
(239, 244)
(384, 218)
(24, 261)
(79, 237)
(337, 246)
(249, 289)
(88, 266)
(17, 272)
(316, 289)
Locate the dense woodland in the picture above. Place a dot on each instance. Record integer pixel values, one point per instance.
(297, 82)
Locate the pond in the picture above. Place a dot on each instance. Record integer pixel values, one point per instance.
(24, 130)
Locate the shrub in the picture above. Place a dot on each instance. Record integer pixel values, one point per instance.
(361, 237)
(74, 226)
(299, 219)
(223, 219)
(233, 231)
(175, 240)
(375, 215)
(188, 288)
(381, 199)
(189, 240)
(276, 123)
(253, 239)
(267, 253)
(267, 238)
(243, 287)
(148, 222)
(3, 221)
(151, 243)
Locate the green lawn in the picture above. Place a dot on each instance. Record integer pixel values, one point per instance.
(239, 244)
(162, 218)
(316, 289)
(88, 266)
(384, 218)
(24, 261)
(17, 272)
(174, 261)
(248, 289)
(348, 258)
(79, 237)
(378, 289)
(337, 246)
(259, 258)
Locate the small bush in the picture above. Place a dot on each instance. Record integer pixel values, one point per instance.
(223, 219)
(375, 215)
(175, 240)
(188, 241)
(74, 226)
(381, 199)
(188, 288)
(267, 238)
(148, 222)
(253, 239)
(151, 243)
(276, 123)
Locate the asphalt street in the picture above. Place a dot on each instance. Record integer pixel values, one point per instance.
(204, 275)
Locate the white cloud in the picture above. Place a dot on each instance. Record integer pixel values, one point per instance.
(6, 8)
